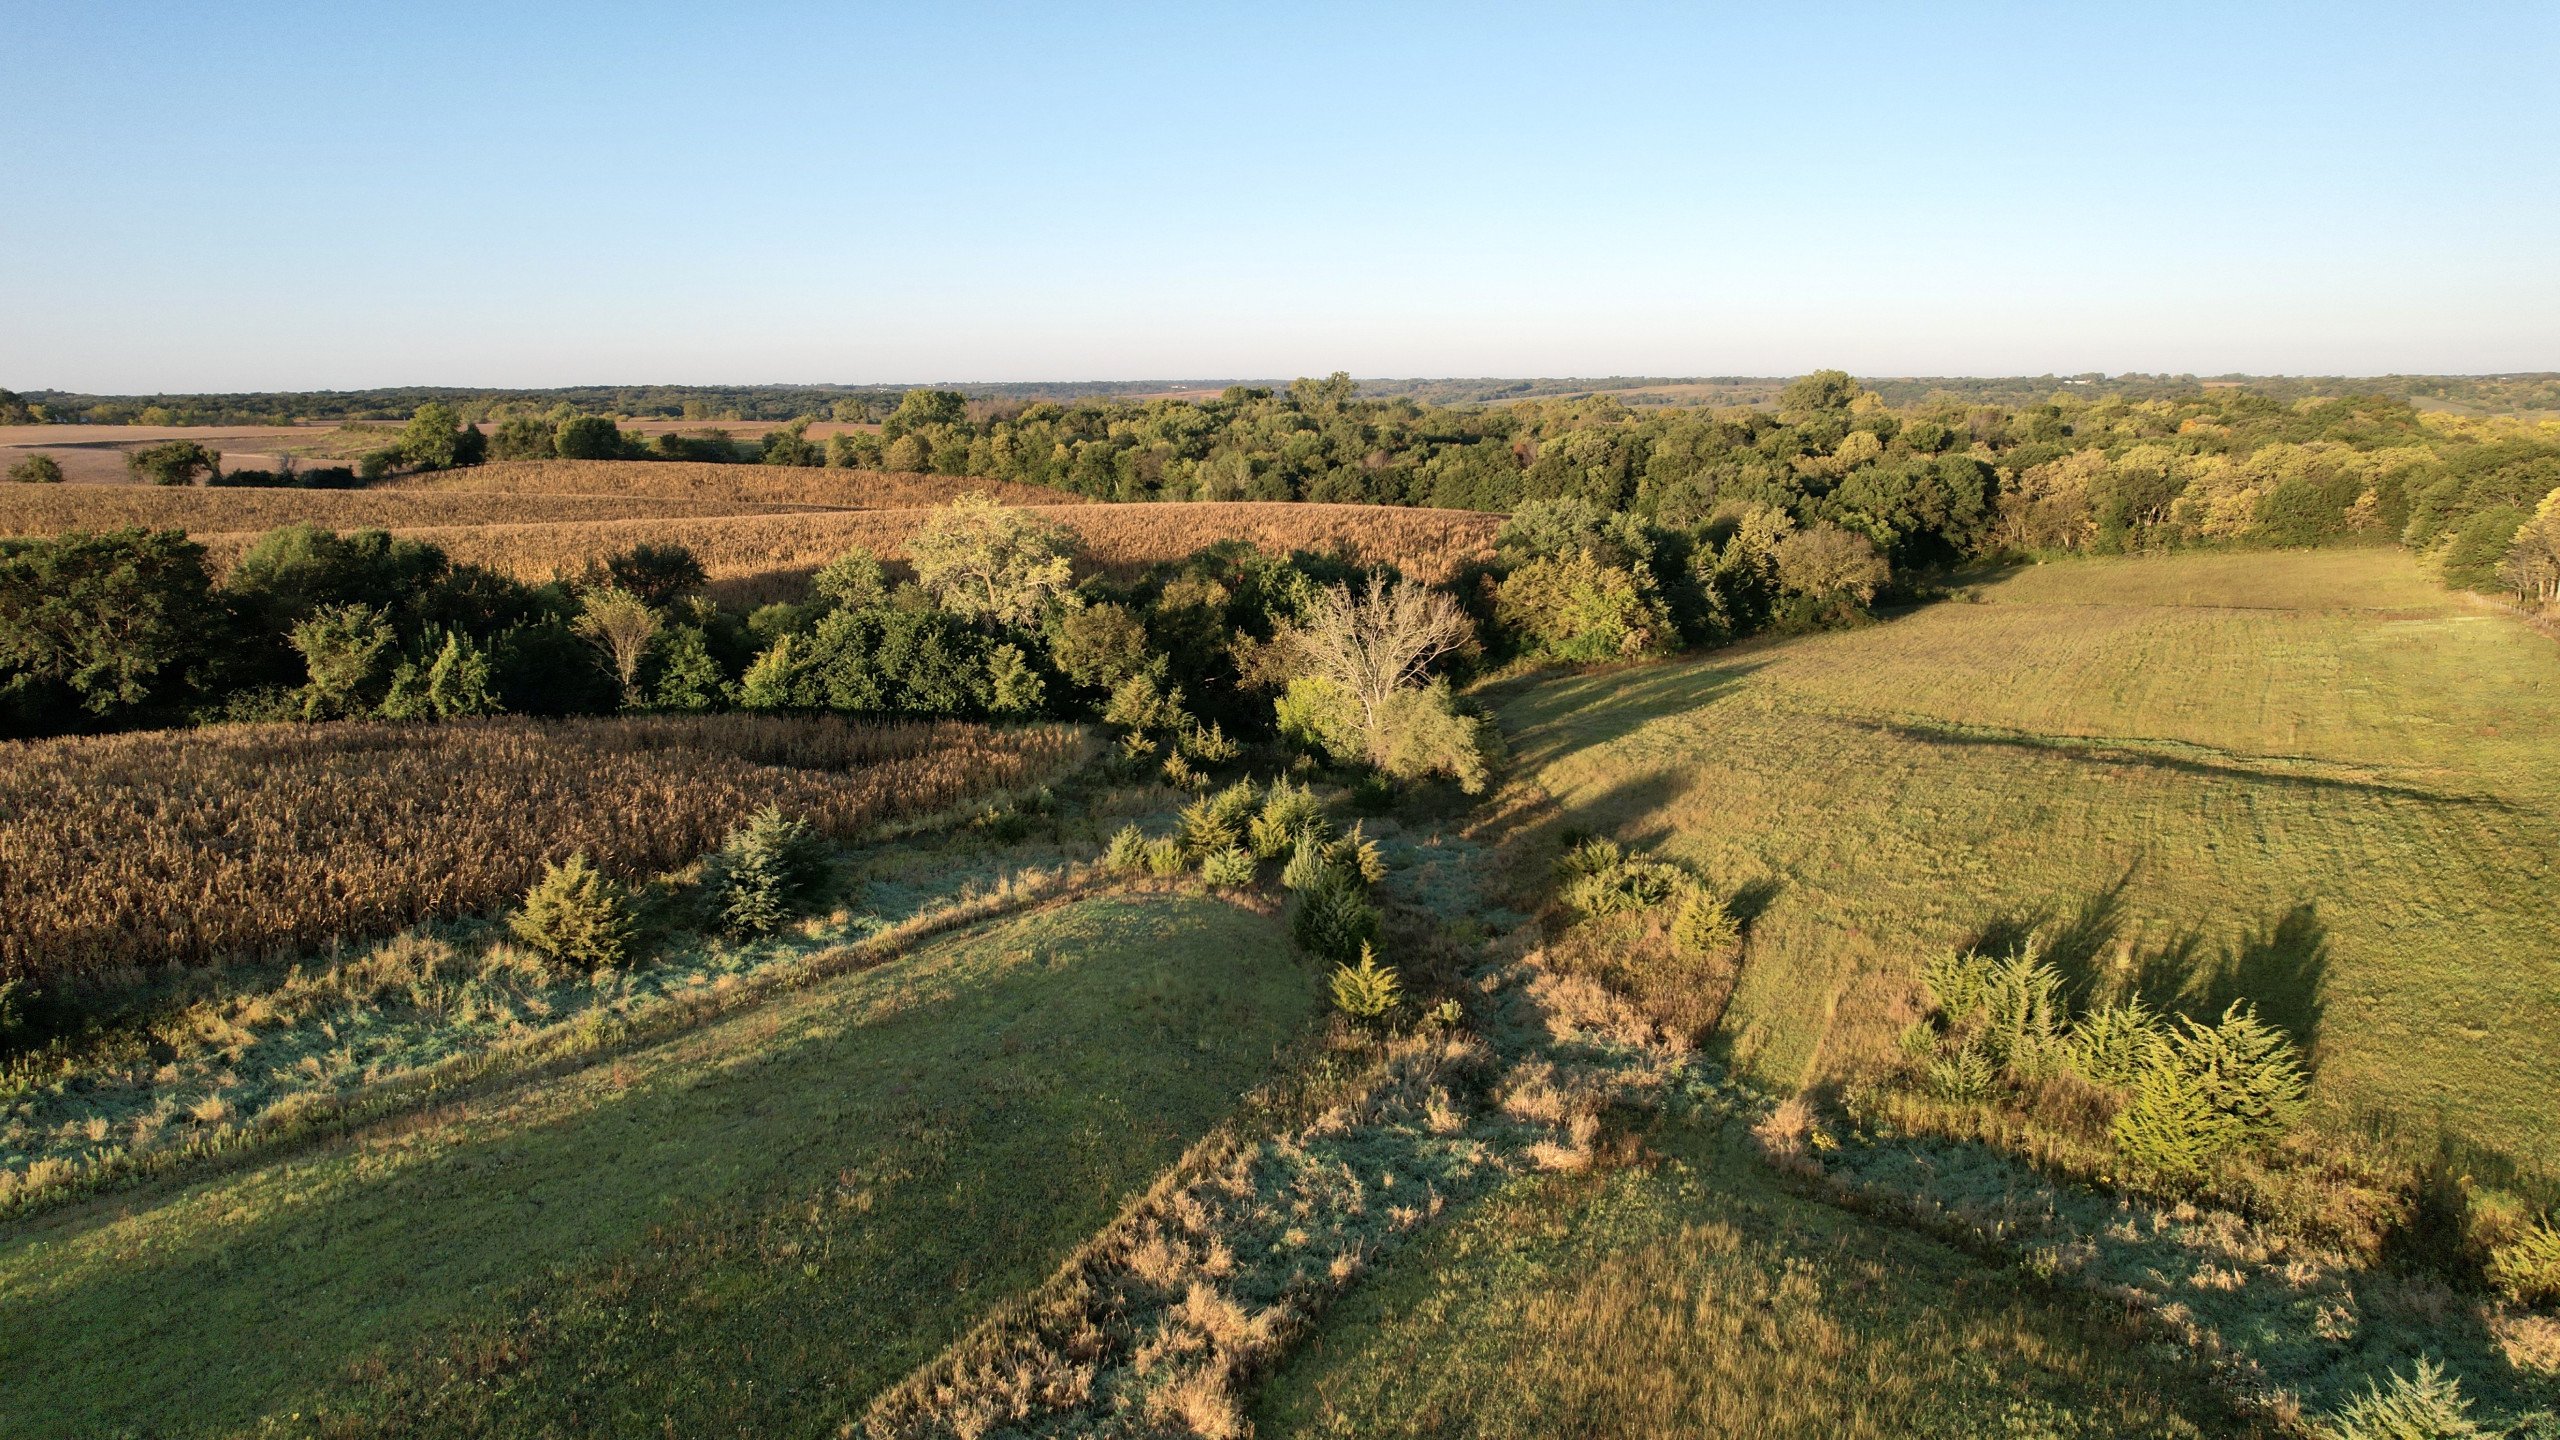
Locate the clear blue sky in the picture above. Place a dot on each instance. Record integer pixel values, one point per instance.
(268, 195)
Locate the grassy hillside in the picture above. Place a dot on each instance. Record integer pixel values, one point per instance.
(1695, 1296)
(754, 1225)
(2314, 779)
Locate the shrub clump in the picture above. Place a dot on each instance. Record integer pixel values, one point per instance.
(2526, 1269)
(2008, 1011)
(1333, 918)
(2191, 1094)
(1127, 853)
(1705, 928)
(1601, 878)
(766, 873)
(1163, 858)
(1289, 813)
(2426, 1405)
(2210, 1090)
(1216, 823)
(1231, 866)
(575, 914)
(1316, 856)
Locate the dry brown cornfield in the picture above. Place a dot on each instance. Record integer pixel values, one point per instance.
(726, 484)
(182, 846)
(752, 558)
(759, 530)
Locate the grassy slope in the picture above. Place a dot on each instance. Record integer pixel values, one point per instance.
(1695, 1297)
(2313, 778)
(744, 1230)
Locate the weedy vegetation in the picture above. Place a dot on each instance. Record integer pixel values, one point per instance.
(179, 847)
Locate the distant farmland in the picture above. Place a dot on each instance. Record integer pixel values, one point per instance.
(755, 557)
(53, 509)
(758, 530)
(764, 485)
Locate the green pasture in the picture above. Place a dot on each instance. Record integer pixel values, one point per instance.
(2315, 780)
(744, 1230)
(1691, 1295)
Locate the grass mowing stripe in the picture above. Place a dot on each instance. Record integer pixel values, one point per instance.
(1696, 1296)
(754, 1224)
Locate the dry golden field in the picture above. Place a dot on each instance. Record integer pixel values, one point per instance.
(178, 846)
(94, 454)
(752, 558)
(53, 509)
(724, 484)
(759, 530)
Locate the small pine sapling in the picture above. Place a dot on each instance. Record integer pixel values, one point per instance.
(1704, 927)
(575, 914)
(1127, 852)
(1368, 991)
(766, 873)
(1231, 866)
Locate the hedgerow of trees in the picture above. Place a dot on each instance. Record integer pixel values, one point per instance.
(132, 628)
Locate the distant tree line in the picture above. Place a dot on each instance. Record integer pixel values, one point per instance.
(669, 402)
(1831, 469)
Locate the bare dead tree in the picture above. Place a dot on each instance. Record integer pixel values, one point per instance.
(620, 625)
(1374, 643)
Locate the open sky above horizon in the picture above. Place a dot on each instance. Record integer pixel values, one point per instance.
(283, 196)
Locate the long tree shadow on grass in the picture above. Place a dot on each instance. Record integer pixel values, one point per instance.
(2076, 944)
(1549, 715)
(2283, 970)
(2280, 966)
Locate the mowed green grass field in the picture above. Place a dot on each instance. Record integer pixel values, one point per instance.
(2317, 780)
(745, 1230)
(1693, 1295)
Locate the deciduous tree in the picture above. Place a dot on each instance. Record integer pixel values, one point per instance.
(986, 561)
(620, 626)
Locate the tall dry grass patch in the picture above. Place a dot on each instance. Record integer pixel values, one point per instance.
(723, 484)
(181, 846)
(751, 553)
(53, 509)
